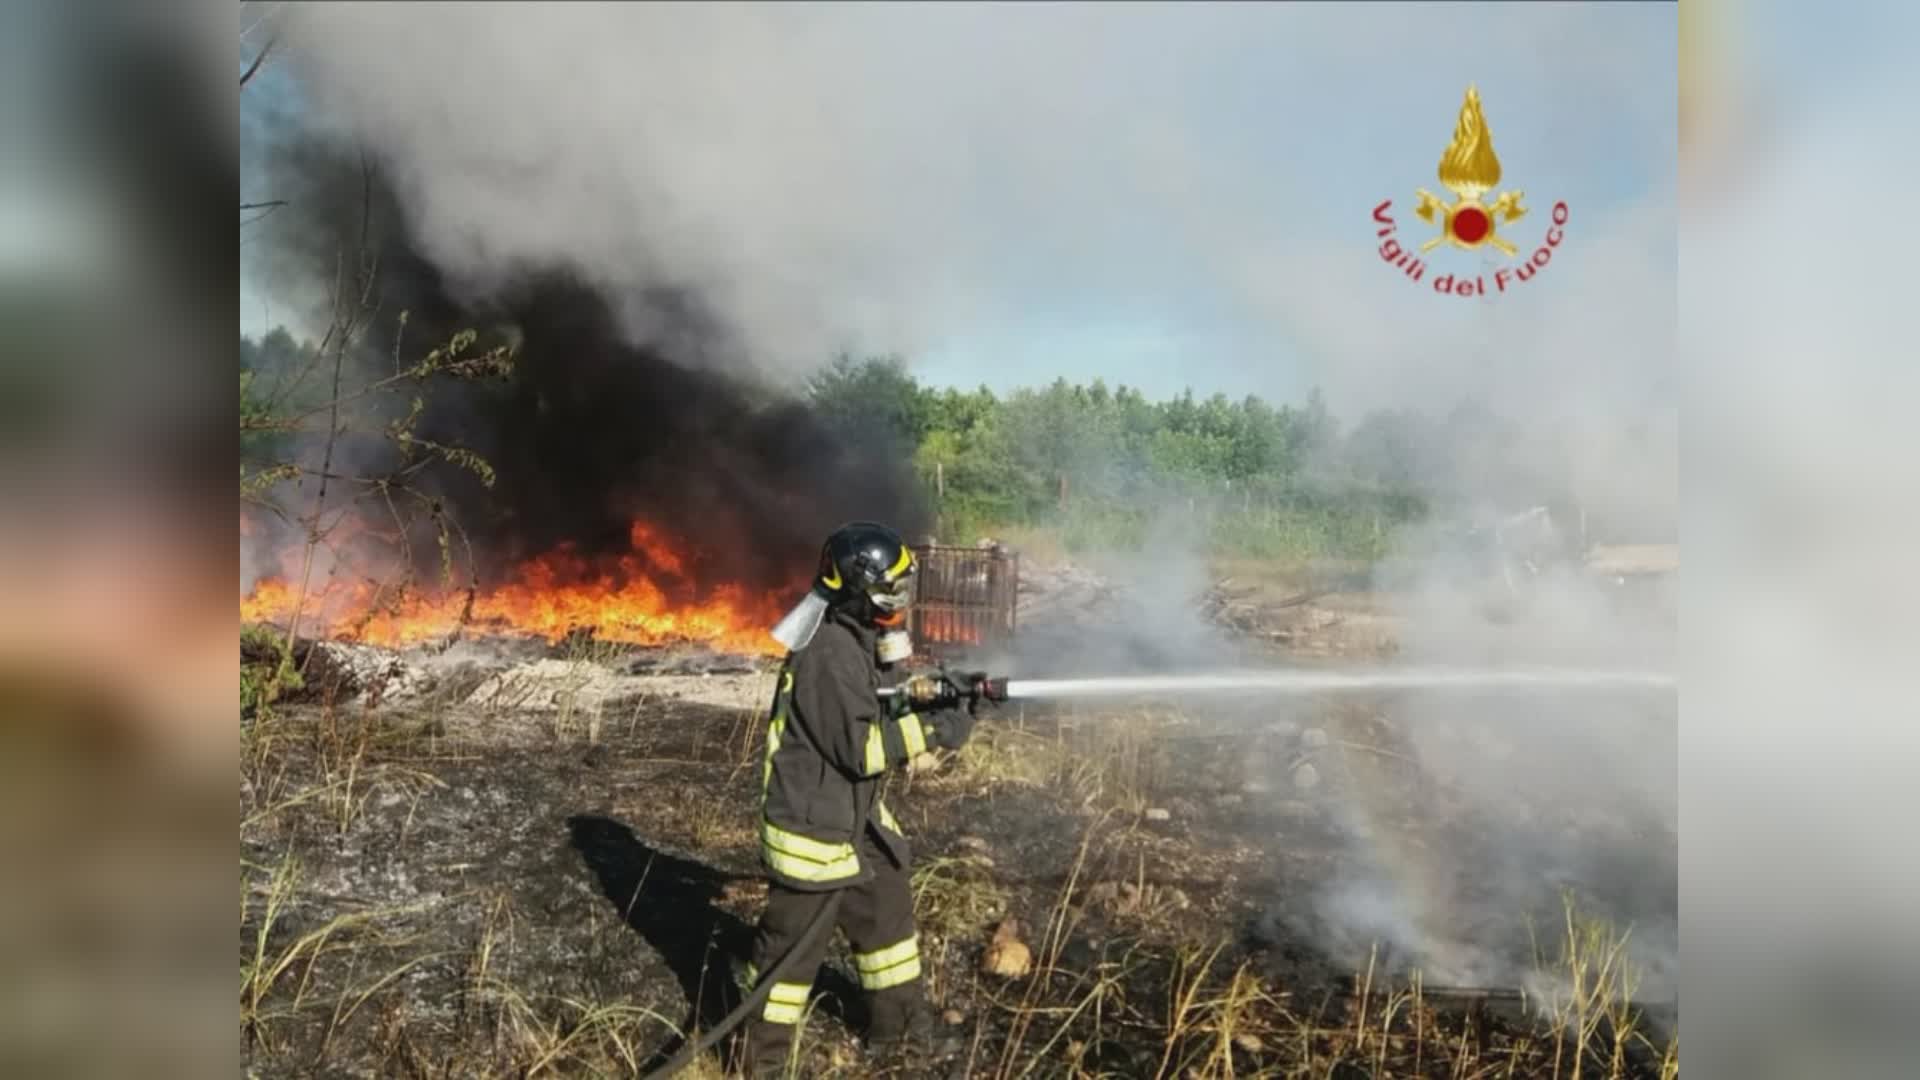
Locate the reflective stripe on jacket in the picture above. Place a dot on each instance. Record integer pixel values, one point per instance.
(830, 743)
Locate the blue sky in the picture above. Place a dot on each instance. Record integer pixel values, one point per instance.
(1166, 197)
(1380, 136)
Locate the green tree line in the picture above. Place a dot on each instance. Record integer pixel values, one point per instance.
(1103, 464)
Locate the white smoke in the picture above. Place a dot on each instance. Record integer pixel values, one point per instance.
(1797, 755)
(888, 177)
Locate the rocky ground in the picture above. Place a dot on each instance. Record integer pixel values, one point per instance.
(493, 862)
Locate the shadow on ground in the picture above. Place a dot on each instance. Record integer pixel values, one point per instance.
(674, 905)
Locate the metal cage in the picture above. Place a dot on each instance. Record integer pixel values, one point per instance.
(965, 600)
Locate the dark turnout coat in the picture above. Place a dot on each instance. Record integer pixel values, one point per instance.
(830, 742)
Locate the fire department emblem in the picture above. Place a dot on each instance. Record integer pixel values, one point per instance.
(1470, 169)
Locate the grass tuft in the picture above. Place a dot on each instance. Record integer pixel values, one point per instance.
(957, 895)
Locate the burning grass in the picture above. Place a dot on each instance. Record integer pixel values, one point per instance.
(649, 595)
(449, 891)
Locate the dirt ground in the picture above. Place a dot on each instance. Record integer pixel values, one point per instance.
(557, 883)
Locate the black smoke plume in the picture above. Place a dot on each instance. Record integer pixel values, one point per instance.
(619, 408)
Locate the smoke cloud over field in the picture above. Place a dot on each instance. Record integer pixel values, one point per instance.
(860, 176)
(882, 178)
(621, 408)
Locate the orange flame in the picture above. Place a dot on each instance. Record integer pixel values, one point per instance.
(937, 625)
(644, 598)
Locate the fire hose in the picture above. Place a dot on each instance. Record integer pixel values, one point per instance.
(941, 689)
(938, 689)
(821, 922)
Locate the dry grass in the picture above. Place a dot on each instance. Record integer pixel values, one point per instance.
(1220, 1018)
(715, 825)
(1060, 919)
(559, 1035)
(313, 772)
(957, 895)
(360, 961)
(315, 969)
(577, 719)
(331, 764)
(278, 977)
(1105, 761)
(553, 1034)
(997, 754)
(1589, 995)
(1122, 761)
(1591, 1029)
(1206, 1026)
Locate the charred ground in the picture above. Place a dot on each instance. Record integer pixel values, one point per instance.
(446, 887)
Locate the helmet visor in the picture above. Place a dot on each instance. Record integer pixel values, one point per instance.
(896, 595)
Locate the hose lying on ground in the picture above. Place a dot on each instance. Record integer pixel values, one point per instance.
(822, 921)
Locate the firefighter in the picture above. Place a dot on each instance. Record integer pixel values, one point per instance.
(830, 743)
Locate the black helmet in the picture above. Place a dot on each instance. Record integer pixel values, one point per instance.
(868, 570)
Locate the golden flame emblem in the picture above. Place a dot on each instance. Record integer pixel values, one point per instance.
(1470, 169)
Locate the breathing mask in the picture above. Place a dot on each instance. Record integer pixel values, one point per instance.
(893, 646)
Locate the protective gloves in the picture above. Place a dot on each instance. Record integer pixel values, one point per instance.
(898, 706)
(952, 727)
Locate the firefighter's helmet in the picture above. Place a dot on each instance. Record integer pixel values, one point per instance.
(867, 569)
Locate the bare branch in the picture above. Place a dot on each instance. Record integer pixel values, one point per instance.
(314, 534)
(266, 210)
(254, 68)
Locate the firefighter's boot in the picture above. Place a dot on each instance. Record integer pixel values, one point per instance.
(769, 1050)
(902, 1021)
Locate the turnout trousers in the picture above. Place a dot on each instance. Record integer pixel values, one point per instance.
(877, 917)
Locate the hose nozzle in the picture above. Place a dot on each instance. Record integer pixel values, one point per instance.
(988, 687)
(949, 688)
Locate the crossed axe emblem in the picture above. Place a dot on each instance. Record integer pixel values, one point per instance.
(1467, 223)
